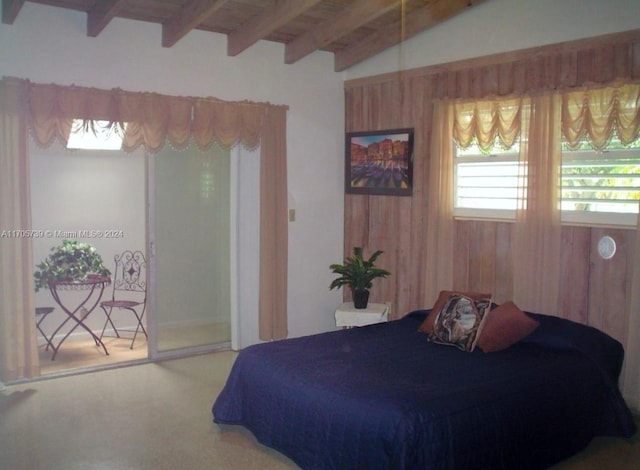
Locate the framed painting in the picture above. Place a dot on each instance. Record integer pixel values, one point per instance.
(379, 162)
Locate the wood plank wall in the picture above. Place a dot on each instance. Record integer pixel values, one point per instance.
(594, 291)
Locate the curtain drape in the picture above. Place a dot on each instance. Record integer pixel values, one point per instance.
(535, 125)
(151, 119)
(146, 119)
(540, 123)
(273, 223)
(18, 347)
(537, 236)
(439, 252)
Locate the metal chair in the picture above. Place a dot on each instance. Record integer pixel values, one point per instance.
(41, 314)
(129, 292)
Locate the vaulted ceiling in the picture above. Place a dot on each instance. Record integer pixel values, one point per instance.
(353, 30)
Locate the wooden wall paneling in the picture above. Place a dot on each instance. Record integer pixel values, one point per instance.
(597, 283)
(568, 70)
(491, 76)
(634, 57)
(503, 286)
(477, 83)
(401, 297)
(484, 272)
(534, 72)
(390, 97)
(519, 77)
(603, 64)
(608, 284)
(621, 61)
(439, 85)
(585, 66)
(353, 103)
(616, 281)
(461, 269)
(410, 104)
(458, 84)
(356, 222)
(550, 72)
(375, 108)
(422, 88)
(505, 79)
(574, 278)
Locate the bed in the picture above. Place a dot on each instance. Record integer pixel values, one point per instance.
(383, 396)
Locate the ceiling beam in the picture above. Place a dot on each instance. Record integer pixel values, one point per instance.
(419, 20)
(10, 10)
(101, 14)
(261, 26)
(349, 19)
(194, 13)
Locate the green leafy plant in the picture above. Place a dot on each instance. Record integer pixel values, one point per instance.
(71, 261)
(357, 272)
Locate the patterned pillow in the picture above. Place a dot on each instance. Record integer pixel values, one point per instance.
(505, 326)
(459, 321)
(427, 324)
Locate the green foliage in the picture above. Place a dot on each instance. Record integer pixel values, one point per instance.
(73, 260)
(357, 272)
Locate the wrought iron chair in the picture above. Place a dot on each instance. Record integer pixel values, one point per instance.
(41, 314)
(129, 292)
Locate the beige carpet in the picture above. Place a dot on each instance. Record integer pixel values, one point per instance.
(158, 416)
(83, 354)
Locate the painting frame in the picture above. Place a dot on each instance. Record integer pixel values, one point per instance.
(379, 162)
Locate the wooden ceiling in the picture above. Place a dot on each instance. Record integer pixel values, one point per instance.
(353, 30)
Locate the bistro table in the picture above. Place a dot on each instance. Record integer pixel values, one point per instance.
(92, 289)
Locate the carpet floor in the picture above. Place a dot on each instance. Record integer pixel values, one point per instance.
(158, 416)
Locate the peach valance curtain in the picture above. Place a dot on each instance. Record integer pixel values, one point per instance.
(594, 114)
(152, 119)
(597, 113)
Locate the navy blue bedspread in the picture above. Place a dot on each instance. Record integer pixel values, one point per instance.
(382, 396)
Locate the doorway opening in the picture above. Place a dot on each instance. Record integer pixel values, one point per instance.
(192, 218)
(95, 197)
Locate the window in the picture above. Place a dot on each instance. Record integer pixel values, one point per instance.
(597, 187)
(95, 135)
(601, 186)
(486, 182)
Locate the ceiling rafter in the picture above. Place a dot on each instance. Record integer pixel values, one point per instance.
(190, 16)
(10, 10)
(351, 18)
(351, 30)
(270, 20)
(391, 35)
(101, 14)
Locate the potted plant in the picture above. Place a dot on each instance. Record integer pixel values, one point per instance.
(358, 274)
(71, 261)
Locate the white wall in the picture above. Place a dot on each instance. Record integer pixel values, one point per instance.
(496, 26)
(50, 45)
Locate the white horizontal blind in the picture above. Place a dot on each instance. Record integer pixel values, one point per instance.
(486, 183)
(597, 187)
(601, 181)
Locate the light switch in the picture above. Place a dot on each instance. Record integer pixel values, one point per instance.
(292, 215)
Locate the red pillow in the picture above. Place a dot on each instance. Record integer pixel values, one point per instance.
(504, 326)
(427, 324)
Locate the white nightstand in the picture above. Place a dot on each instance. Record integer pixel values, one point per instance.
(348, 316)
